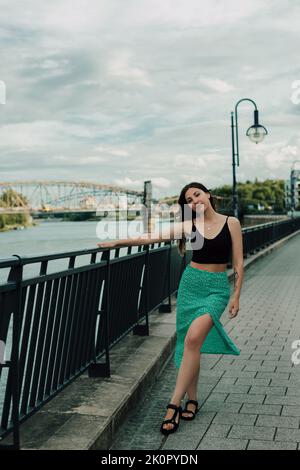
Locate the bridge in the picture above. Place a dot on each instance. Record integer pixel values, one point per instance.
(67, 195)
(69, 328)
(63, 197)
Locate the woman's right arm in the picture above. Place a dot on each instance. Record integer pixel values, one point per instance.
(174, 233)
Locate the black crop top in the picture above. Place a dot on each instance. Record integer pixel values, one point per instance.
(212, 250)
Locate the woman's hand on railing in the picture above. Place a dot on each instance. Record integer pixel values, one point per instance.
(144, 239)
(111, 244)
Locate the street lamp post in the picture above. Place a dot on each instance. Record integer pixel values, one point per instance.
(256, 133)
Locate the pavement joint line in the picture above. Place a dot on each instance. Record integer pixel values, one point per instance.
(202, 437)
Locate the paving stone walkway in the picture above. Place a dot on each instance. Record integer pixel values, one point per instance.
(251, 401)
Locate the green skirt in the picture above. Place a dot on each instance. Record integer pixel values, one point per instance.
(201, 292)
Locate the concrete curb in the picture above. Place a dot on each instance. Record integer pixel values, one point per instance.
(88, 413)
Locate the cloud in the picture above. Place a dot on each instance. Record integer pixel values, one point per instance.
(216, 84)
(119, 66)
(275, 158)
(112, 151)
(128, 182)
(161, 182)
(31, 135)
(91, 160)
(112, 91)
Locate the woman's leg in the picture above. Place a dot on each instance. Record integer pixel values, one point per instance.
(192, 393)
(189, 367)
(192, 388)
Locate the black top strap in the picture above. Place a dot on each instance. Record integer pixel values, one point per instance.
(173, 407)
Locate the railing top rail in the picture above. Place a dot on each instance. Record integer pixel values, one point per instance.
(8, 262)
(266, 224)
(24, 260)
(65, 254)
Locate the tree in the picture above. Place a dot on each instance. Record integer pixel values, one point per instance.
(11, 198)
(268, 193)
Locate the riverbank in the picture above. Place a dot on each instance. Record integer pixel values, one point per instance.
(15, 222)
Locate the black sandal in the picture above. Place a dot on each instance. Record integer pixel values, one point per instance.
(178, 410)
(190, 418)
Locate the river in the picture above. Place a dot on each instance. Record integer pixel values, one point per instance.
(56, 236)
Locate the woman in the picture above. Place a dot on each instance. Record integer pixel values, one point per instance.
(203, 293)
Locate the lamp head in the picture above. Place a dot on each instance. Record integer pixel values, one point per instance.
(257, 132)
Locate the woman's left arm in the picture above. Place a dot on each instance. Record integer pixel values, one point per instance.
(237, 264)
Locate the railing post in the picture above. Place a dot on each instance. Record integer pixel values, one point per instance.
(15, 275)
(98, 369)
(143, 330)
(166, 308)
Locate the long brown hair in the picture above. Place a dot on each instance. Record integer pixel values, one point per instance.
(182, 201)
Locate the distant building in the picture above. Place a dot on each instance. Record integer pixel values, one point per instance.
(292, 190)
(287, 194)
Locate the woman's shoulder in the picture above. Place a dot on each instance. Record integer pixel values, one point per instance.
(234, 221)
(234, 224)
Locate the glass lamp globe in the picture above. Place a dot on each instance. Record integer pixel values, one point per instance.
(256, 133)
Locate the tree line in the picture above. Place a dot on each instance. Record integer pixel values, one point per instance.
(256, 197)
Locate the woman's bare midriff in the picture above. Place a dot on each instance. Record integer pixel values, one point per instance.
(209, 267)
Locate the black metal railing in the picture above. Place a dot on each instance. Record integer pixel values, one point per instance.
(260, 236)
(62, 323)
(59, 324)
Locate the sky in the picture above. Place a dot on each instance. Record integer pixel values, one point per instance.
(119, 92)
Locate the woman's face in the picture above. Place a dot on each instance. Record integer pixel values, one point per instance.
(197, 199)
